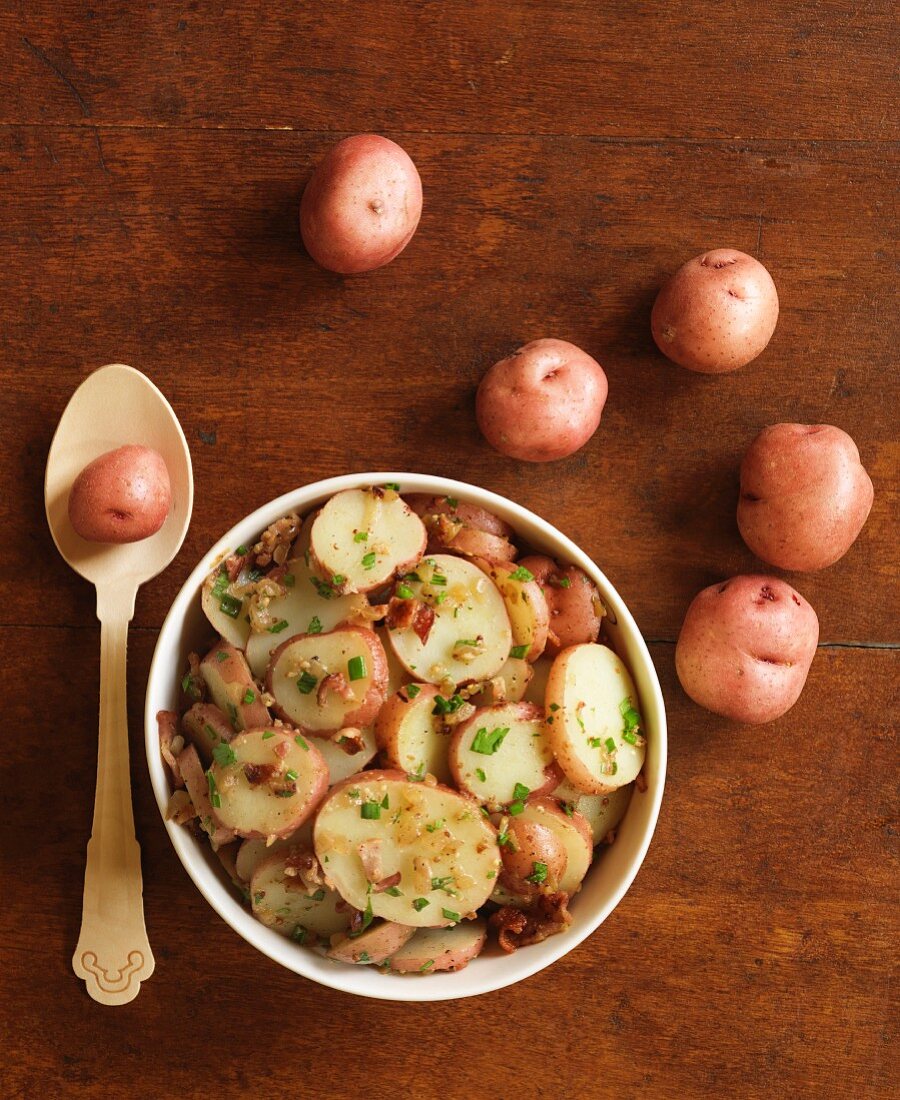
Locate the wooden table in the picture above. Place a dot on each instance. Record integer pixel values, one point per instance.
(572, 153)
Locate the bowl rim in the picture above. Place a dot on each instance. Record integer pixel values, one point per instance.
(209, 881)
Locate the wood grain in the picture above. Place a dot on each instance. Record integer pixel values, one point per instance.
(754, 956)
(573, 153)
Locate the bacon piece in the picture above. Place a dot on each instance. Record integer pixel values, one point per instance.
(350, 740)
(275, 541)
(260, 773)
(520, 927)
(423, 622)
(302, 870)
(386, 883)
(400, 613)
(234, 564)
(370, 857)
(168, 731)
(334, 681)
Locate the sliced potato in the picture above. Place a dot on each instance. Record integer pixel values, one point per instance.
(412, 737)
(508, 686)
(362, 537)
(252, 852)
(434, 949)
(377, 943)
(280, 900)
(324, 682)
(207, 727)
(571, 831)
(502, 754)
(590, 700)
(336, 749)
(472, 515)
(228, 612)
(308, 607)
(603, 812)
(198, 788)
(469, 638)
(534, 857)
(397, 674)
(437, 841)
(526, 605)
(575, 607)
(536, 691)
(232, 688)
(266, 782)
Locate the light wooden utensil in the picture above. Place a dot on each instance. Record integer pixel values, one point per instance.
(114, 406)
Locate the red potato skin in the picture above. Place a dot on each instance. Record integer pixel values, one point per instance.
(805, 496)
(533, 843)
(122, 496)
(472, 515)
(362, 205)
(392, 713)
(574, 617)
(542, 403)
(745, 648)
(716, 313)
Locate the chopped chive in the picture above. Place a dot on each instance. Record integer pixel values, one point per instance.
(569, 808)
(412, 577)
(368, 915)
(426, 966)
(230, 606)
(394, 891)
(465, 641)
(447, 706)
(385, 804)
(290, 580)
(518, 651)
(452, 501)
(404, 592)
(268, 734)
(441, 883)
(515, 808)
(299, 934)
(221, 656)
(595, 742)
(488, 743)
(439, 579)
(186, 682)
(242, 550)
(392, 485)
(368, 560)
(433, 826)
(322, 588)
(480, 773)
(354, 793)
(503, 839)
(420, 903)
(214, 796)
(520, 791)
(361, 536)
(276, 628)
(249, 697)
(221, 583)
(610, 745)
(450, 915)
(299, 741)
(315, 625)
(554, 706)
(538, 873)
(224, 755)
(630, 737)
(290, 775)
(258, 896)
(412, 690)
(210, 732)
(232, 714)
(364, 957)
(370, 811)
(319, 895)
(337, 580)
(254, 574)
(306, 683)
(521, 574)
(356, 668)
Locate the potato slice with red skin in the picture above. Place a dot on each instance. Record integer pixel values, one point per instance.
(280, 901)
(411, 736)
(362, 538)
(588, 694)
(573, 601)
(198, 788)
(216, 595)
(207, 727)
(342, 762)
(434, 949)
(603, 812)
(324, 682)
(472, 515)
(377, 943)
(448, 535)
(536, 689)
(522, 756)
(572, 832)
(534, 857)
(252, 852)
(526, 605)
(510, 685)
(232, 687)
(268, 783)
(438, 841)
(471, 609)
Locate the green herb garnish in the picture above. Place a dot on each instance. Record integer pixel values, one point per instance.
(394, 891)
(224, 755)
(392, 485)
(518, 651)
(420, 903)
(515, 808)
(487, 743)
(315, 625)
(356, 668)
(368, 560)
(538, 873)
(214, 796)
(299, 741)
(361, 536)
(521, 791)
(433, 826)
(290, 775)
(268, 734)
(230, 606)
(306, 683)
(610, 745)
(404, 592)
(276, 628)
(450, 915)
(322, 588)
(480, 773)
(521, 574)
(249, 697)
(290, 580)
(370, 811)
(412, 690)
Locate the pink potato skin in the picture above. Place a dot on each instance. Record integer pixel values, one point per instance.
(716, 313)
(362, 205)
(805, 495)
(122, 496)
(745, 648)
(542, 403)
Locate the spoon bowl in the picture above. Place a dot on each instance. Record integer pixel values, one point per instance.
(114, 406)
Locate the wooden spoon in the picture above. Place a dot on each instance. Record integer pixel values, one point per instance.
(114, 406)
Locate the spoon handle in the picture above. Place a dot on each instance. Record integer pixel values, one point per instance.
(113, 954)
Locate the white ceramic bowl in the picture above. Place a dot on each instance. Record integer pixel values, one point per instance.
(186, 628)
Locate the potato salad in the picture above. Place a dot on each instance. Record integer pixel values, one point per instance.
(408, 737)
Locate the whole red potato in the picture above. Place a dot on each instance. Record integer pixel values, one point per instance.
(122, 496)
(805, 495)
(745, 648)
(716, 313)
(362, 205)
(543, 402)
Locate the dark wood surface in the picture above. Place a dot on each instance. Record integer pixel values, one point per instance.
(151, 160)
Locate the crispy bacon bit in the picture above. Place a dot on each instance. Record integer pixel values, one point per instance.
(302, 869)
(350, 740)
(640, 781)
(234, 564)
(276, 540)
(400, 613)
(370, 857)
(168, 741)
(334, 681)
(281, 749)
(386, 883)
(369, 613)
(423, 622)
(260, 773)
(520, 927)
(356, 920)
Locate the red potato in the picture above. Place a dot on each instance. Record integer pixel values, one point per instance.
(472, 515)
(542, 403)
(372, 946)
(122, 496)
(572, 599)
(207, 727)
(232, 687)
(198, 788)
(805, 495)
(534, 858)
(433, 949)
(716, 313)
(362, 205)
(745, 648)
